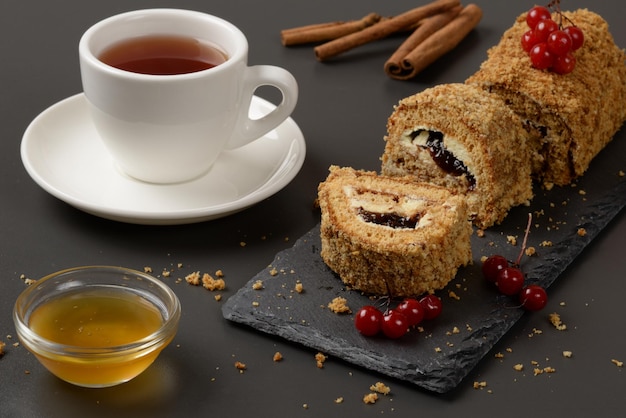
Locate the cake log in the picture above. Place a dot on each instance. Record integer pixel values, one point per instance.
(392, 236)
(572, 117)
(467, 140)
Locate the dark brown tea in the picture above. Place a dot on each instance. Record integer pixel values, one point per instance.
(162, 55)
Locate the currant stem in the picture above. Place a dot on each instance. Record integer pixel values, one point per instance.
(556, 6)
(526, 233)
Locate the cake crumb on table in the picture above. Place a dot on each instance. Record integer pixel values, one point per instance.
(452, 294)
(380, 387)
(2, 345)
(555, 319)
(320, 358)
(209, 283)
(193, 278)
(617, 363)
(277, 356)
(530, 251)
(480, 385)
(537, 370)
(339, 305)
(299, 287)
(240, 366)
(26, 280)
(370, 398)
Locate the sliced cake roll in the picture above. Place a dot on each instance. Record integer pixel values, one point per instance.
(573, 116)
(392, 236)
(465, 139)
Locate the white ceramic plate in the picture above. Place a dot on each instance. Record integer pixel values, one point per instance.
(61, 151)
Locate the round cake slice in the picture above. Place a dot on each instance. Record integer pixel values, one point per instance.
(465, 139)
(391, 235)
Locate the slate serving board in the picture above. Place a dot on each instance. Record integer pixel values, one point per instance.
(438, 358)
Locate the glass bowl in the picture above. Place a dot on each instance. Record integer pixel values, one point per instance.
(96, 326)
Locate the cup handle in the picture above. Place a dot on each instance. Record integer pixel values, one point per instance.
(247, 129)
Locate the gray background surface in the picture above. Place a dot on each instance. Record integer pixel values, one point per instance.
(343, 108)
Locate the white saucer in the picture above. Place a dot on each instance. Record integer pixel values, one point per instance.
(61, 151)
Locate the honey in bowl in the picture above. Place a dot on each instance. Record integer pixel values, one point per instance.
(98, 318)
(97, 326)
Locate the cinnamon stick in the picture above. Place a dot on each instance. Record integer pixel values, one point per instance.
(440, 42)
(310, 27)
(382, 29)
(430, 25)
(326, 31)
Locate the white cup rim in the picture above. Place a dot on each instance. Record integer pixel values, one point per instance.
(234, 54)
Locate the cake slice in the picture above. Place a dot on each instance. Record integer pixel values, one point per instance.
(467, 140)
(573, 116)
(391, 236)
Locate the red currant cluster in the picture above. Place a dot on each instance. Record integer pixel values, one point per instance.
(549, 45)
(510, 281)
(396, 322)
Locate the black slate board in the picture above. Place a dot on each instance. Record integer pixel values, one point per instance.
(438, 358)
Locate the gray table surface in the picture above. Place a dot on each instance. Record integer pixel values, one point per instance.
(343, 108)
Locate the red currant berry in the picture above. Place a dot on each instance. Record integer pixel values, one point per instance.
(540, 57)
(412, 309)
(492, 267)
(559, 43)
(529, 39)
(395, 324)
(578, 38)
(544, 29)
(564, 64)
(368, 321)
(536, 15)
(432, 306)
(510, 281)
(533, 297)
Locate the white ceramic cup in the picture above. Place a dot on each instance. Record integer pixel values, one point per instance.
(172, 128)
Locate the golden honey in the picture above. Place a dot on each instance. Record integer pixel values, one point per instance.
(99, 318)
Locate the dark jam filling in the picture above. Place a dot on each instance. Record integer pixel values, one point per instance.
(392, 220)
(444, 158)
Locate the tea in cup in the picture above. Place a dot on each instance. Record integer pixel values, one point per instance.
(170, 89)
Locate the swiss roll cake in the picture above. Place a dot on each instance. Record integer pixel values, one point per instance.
(570, 117)
(391, 235)
(467, 140)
